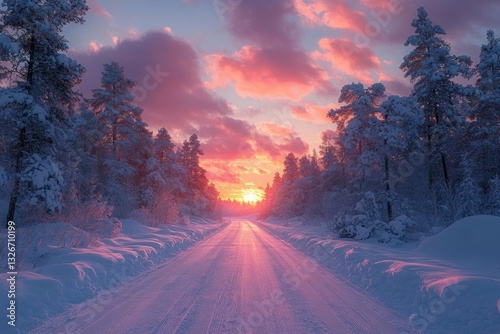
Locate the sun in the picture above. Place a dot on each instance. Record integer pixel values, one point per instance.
(251, 195)
(250, 198)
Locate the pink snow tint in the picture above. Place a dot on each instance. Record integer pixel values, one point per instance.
(71, 267)
(455, 274)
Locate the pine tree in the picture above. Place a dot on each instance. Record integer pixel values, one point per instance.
(494, 196)
(433, 69)
(86, 143)
(469, 193)
(291, 169)
(36, 104)
(125, 145)
(485, 125)
(357, 126)
(168, 167)
(195, 182)
(327, 150)
(271, 198)
(314, 165)
(398, 129)
(305, 168)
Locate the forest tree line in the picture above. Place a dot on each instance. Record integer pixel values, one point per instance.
(396, 164)
(63, 156)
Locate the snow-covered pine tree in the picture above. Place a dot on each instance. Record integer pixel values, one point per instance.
(86, 144)
(485, 125)
(315, 169)
(164, 180)
(398, 129)
(125, 145)
(195, 182)
(38, 97)
(291, 169)
(164, 147)
(357, 126)
(168, 167)
(327, 149)
(290, 195)
(271, 198)
(494, 196)
(304, 166)
(433, 69)
(469, 197)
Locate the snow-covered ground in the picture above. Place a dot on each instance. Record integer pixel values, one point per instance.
(449, 283)
(241, 280)
(60, 265)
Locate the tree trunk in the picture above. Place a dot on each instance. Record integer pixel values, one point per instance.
(445, 170)
(15, 191)
(429, 165)
(22, 135)
(388, 189)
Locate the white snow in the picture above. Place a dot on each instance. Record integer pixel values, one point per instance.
(470, 241)
(61, 265)
(241, 280)
(450, 283)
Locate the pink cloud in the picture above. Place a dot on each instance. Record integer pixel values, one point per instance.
(223, 172)
(173, 95)
(467, 19)
(273, 65)
(231, 139)
(276, 129)
(337, 14)
(292, 143)
(264, 22)
(367, 22)
(269, 72)
(94, 46)
(349, 58)
(227, 138)
(167, 73)
(96, 7)
(312, 112)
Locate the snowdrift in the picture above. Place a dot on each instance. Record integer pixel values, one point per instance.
(62, 265)
(450, 283)
(473, 240)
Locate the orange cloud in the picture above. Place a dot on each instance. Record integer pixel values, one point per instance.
(332, 13)
(312, 112)
(276, 129)
(94, 46)
(349, 58)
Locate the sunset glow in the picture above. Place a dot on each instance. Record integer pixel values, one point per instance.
(251, 198)
(250, 166)
(256, 91)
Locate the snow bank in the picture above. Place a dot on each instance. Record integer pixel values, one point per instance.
(475, 240)
(61, 265)
(439, 291)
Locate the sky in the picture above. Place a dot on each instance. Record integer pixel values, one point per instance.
(254, 79)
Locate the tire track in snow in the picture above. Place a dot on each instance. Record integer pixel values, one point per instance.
(221, 284)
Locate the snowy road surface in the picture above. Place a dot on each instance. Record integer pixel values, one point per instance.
(240, 280)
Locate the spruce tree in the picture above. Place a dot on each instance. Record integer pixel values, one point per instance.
(433, 69)
(125, 145)
(485, 125)
(36, 103)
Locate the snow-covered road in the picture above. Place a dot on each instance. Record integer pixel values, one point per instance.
(240, 280)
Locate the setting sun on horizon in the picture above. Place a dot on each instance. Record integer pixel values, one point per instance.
(252, 195)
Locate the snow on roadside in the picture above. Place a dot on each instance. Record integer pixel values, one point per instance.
(450, 283)
(63, 266)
